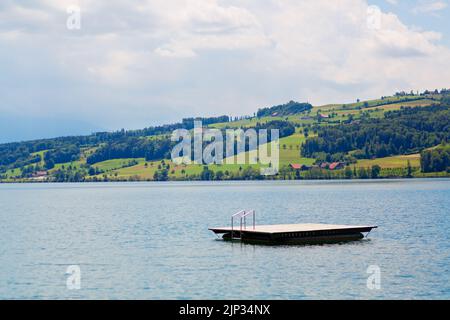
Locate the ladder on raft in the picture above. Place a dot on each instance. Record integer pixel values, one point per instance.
(242, 215)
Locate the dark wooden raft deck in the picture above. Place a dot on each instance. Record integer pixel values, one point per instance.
(294, 233)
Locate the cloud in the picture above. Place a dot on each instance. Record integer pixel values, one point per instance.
(429, 6)
(200, 24)
(147, 62)
(393, 2)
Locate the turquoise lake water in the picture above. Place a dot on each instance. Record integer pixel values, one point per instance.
(151, 240)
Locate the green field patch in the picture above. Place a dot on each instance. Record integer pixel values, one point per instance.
(289, 152)
(87, 151)
(391, 162)
(113, 164)
(13, 173)
(74, 164)
(144, 172)
(290, 148)
(380, 102)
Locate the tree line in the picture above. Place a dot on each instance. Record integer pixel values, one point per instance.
(188, 123)
(436, 159)
(289, 108)
(132, 147)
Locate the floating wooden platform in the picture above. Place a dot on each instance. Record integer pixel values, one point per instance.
(293, 233)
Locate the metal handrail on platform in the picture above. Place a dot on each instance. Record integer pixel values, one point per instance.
(242, 216)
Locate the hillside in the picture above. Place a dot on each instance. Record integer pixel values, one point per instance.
(376, 138)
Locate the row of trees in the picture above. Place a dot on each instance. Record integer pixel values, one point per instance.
(245, 173)
(66, 175)
(132, 147)
(287, 173)
(436, 160)
(61, 155)
(188, 123)
(285, 128)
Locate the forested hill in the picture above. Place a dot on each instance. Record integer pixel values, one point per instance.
(119, 144)
(404, 131)
(66, 149)
(353, 134)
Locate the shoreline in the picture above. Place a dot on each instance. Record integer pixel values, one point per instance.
(229, 180)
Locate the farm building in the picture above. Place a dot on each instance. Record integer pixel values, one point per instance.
(298, 166)
(40, 174)
(336, 165)
(324, 165)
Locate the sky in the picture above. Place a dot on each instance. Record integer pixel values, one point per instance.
(72, 67)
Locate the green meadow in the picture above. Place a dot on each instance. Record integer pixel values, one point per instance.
(391, 162)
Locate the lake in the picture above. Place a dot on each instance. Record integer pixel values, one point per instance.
(151, 240)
